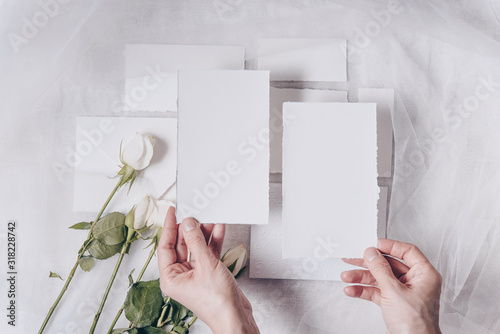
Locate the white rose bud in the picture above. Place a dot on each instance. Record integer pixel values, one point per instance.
(235, 259)
(143, 210)
(138, 153)
(159, 213)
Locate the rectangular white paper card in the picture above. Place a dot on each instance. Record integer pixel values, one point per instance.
(330, 187)
(223, 146)
(151, 71)
(96, 160)
(382, 212)
(297, 59)
(281, 95)
(265, 251)
(385, 107)
(266, 241)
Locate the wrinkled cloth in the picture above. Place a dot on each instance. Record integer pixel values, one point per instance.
(441, 57)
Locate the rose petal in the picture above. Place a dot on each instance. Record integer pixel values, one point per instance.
(152, 212)
(140, 213)
(134, 151)
(147, 154)
(161, 214)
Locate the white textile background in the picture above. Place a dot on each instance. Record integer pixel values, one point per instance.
(438, 55)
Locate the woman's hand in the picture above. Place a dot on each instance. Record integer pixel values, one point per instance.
(204, 284)
(408, 293)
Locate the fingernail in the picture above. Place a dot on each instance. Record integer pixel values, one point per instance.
(189, 224)
(371, 253)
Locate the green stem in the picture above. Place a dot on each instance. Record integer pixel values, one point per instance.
(108, 288)
(86, 244)
(192, 321)
(120, 311)
(160, 323)
(115, 189)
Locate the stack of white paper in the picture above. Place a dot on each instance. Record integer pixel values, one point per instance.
(151, 71)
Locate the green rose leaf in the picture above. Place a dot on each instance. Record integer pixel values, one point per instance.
(55, 275)
(110, 229)
(86, 263)
(130, 278)
(143, 303)
(81, 226)
(151, 330)
(125, 330)
(101, 251)
(180, 330)
(180, 312)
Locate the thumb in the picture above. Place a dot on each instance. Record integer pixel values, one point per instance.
(195, 240)
(379, 268)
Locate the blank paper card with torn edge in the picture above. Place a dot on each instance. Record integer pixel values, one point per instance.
(302, 59)
(330, 187)
(223, 147)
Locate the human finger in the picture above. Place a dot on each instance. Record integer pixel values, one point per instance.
(355, 262)
(207, 231)
(218, 234)
(369, 293)
(359, 277)
(181, 247)
(168, 240)
(195, 240)
(380, 268)
(409, 253)
(398, 268)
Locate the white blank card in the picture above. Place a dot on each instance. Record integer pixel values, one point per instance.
(223, 147)
(300, 59)
(385, 107)
(282, 95)
(151, 71)
(330, 187)
(266, 240)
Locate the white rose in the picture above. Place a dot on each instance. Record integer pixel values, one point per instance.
(235, 259)
(138, 153)
(159, 213)
(142, 212)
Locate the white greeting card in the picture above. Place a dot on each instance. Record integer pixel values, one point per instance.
(282, 95)
(382, 212)
(151, 71)
(385, 108)
(266, 244)
(298, 59)
(96, 159)
(330, 187)
(223, 146)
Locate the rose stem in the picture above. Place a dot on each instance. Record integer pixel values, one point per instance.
(80, 254)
